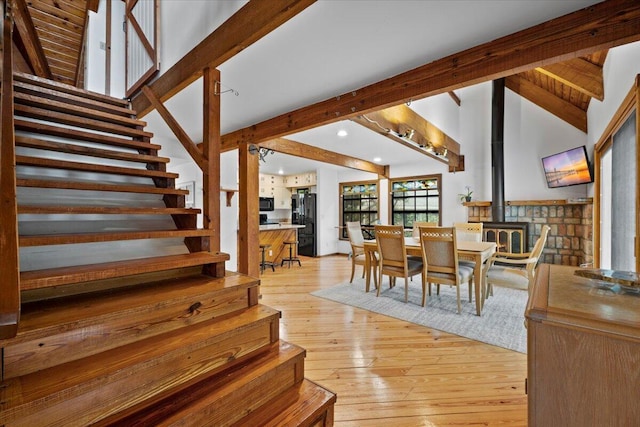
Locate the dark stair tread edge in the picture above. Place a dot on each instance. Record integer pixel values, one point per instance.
(38, 101)
(92, 186)
(54, 93)
(301, 405)
(91, 167)
(90, 272)
(62, 378)
(107, 210)
(108, 236)
(24, 77)
(220, 385)
(81, 122)
(65, 132)
(44, 318)
(81, 150)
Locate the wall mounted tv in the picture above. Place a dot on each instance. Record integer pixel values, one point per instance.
(569, 167)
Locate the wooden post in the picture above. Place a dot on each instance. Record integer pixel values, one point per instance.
(211, 153)
(9, 261)
(248, 210)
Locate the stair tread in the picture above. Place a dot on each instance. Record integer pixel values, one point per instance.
(36, 279)
(93, 186)
(107, 236)
(32, 88)
(111, 210)
(43, 144)
(21, 98)
(300, 406)
(24, 77)
(81, 122)
(91, 167)
(43, 318)
(49, 129)
(179, 406)
(58, 384)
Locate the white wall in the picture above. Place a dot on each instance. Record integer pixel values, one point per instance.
(620, 70)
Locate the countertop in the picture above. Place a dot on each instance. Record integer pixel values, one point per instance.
(281, 226)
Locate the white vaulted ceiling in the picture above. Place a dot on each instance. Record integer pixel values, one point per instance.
(330, 48)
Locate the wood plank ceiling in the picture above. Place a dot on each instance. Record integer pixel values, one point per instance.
(50, 36)
(565, 89)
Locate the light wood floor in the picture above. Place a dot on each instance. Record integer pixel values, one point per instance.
(387, 372)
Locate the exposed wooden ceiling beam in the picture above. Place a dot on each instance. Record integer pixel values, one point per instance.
(194, 151)
(579, 74)
(30, 41)
(252, 22)
(601, 26)
(92, 5)
(553, 104)
(298, 149)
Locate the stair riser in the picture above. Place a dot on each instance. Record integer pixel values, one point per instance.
(87, 402)
(65, 343)
(226, 410)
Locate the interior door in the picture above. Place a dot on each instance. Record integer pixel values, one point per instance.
(142, 62)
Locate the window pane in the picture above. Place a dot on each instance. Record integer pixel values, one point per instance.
(415, 200)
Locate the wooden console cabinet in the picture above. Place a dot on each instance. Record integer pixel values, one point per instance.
(583, 352)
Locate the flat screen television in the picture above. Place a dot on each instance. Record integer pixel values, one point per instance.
(569, 167)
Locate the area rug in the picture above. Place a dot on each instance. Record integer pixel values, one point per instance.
(501, 323)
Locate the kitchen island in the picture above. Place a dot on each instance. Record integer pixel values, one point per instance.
(275, 235)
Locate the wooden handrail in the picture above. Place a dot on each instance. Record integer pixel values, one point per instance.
(9, 265)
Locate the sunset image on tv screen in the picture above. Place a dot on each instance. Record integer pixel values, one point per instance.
(567, 168)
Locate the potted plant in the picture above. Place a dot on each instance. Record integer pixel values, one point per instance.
(466, 197)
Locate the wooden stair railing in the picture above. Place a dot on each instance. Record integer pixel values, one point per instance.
(10, 283)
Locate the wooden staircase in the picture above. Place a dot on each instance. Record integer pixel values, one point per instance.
(126, 317)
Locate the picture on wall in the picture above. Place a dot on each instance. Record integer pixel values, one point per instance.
(569, 167)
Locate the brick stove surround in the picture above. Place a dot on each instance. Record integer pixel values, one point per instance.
(570, 239)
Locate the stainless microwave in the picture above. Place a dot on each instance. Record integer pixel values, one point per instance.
(266, 204)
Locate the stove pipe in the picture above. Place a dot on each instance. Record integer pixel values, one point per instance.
(497, 151)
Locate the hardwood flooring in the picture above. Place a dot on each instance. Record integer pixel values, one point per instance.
(387, 372)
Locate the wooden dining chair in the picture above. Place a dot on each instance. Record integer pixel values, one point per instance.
(393, 260)
(440, 261)
(468, 231)
(354, 231)
(514, 270)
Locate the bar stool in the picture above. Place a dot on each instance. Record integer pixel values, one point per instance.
(264, 264)
(291, 244)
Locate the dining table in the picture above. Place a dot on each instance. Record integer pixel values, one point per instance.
(478, 252)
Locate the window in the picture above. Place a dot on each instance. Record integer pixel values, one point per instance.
(415, 199)
(359, 202)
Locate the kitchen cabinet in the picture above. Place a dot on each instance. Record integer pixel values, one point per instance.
(282, 198)
(583, 356)
(308, 179)
(274, 186)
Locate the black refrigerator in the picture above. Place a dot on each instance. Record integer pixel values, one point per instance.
(303, 212)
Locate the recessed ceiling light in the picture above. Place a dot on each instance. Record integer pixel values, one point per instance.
(342, 133)
(280, 171)
(377, 159)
